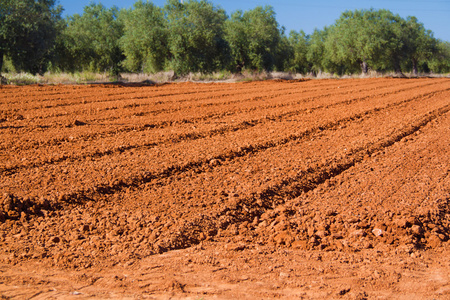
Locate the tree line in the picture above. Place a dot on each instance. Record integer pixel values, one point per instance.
(197, 36)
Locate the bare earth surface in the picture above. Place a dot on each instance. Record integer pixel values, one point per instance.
(323, 189)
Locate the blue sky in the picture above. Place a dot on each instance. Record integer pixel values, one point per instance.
(308, 15)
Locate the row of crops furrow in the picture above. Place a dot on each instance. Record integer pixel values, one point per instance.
(138, 221)
(244, 190)
(122, 103)
(133, 216)
(137, 120)
(225, 197)
(154, 228)
(169, 135)
(106, 174)
(156, 102)
(43, 91)
(229, 117)
(198, 132)
(99, 110)
(83, 94)
(233, 103)
(414, 190)
(108, 94)
(280, 170)
(119, 144)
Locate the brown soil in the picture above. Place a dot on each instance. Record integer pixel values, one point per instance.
(276, 189)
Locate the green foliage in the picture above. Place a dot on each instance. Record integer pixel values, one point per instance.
(145, 38)
(379, 40)
(28, 30)
(236, 37)
(363, 38)
(196, 39)
(8, 66)
(283, 53)
(316, 50)
(420, 45)
(298, 60)
(342, 44)
(254, 37)
(92, 40)
(440, 61)
(391, 43)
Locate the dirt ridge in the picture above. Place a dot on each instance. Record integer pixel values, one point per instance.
(193, 136)
(248, 209)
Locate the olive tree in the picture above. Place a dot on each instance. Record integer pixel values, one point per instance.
(420, 44)
(365, 38)
(92, 39)
(195, 36)
(298, 61)
(28, 30)
(316, 51)
(254, 37)
(145, 38)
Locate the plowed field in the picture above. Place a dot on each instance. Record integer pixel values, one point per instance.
(291, 189)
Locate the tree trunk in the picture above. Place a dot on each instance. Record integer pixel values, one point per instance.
(1, 60)
(41, 70)
(239, 67)
(397, 68)
(414, 66)
(2, 79)
(364, 67)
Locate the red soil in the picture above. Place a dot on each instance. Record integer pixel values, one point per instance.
(304, 189)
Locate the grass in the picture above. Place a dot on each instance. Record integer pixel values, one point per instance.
(75, 78)
(22, 78)
(216, 76)
(159, 77)
(54, 78)
(162, 77)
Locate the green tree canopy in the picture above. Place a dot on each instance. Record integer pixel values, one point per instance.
(420, 45)
(253, 37)
(364, 38)
(316, 50)
(298, 61)
(377, 39)
(440, 61)
(145, 38)
(196, 39)
(284, 53)
(92, 39)
(236, 37)
(197, 36)
(28, 29)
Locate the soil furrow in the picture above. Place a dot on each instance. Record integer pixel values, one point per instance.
(345, 183)
(115, 184)
(170, 100)
(195, 136)
(248, 209)
(146, 126)
(261, 94)
(206, 88)
(128, 95)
